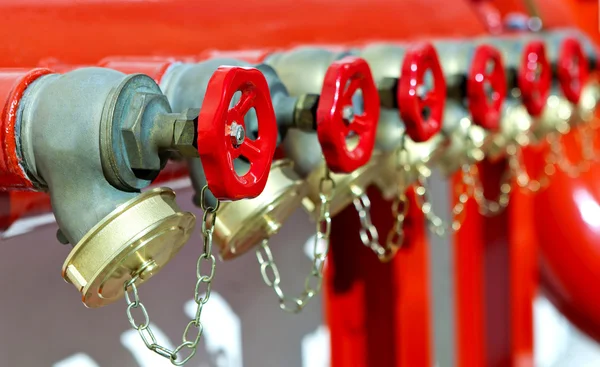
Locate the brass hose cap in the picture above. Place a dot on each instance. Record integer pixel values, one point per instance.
(243, 224)
(347, 186)
(139, 237)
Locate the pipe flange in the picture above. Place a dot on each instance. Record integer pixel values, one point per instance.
(139, 237)
(243, 224)
(121, 106)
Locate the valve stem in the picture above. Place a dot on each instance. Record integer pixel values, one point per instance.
(388, 90)
(305, 112)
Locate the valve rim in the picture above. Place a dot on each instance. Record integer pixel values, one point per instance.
(342, 80)
(572, 69)
(215, 122)
(485, 112)
(535, 88)
(418, 60)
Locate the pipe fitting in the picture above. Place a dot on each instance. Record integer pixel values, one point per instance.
(309, 70)
(186, 85)
(62, 125)
(419, 99)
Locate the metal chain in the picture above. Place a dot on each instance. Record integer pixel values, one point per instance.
(395, 237)
(201, 298)
(434, 222)
(368, 233)
(522, 178)
(559, 156)
(314, 280)
(489, 207)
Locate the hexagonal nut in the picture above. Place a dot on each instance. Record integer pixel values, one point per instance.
(185, 136)
(137, 125)
(305, 112)
(388, 90)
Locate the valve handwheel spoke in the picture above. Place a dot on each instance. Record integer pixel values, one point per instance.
(534, 78)
(222, 134)
(360, 125)
(485, 106)
(349, 93)
(251, 150)
(572, 69)
(418, 61)
(429, 100)
(342, 80)
(245, 103)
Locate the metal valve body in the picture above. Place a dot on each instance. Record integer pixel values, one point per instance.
(241, 224)
(302, 70)
(386, 62)
(72, 141)
(515, 122)
(466, 140)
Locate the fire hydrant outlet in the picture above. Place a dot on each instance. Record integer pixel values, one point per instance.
(139, 237)
(243, 224)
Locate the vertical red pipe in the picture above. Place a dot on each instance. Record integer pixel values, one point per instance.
(523, 271)
(495, 238)
(378, 313)
(469, 287)
(494, 281)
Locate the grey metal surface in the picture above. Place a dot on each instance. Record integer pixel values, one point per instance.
(442, 275)
(303, 70)
(61, 145)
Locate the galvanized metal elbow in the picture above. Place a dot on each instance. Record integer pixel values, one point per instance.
(71, 138)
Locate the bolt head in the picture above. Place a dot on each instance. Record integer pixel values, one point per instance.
(348, 113)
(237, 134)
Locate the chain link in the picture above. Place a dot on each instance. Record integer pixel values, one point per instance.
(368, 232)
(314, 280)
(435, 223)
(395, 238)
(201, 296)
(489, 207)
(559, 157)
(522, 178)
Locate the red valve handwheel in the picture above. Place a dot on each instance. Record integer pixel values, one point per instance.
(485, 105)
(343, 78)
(422, 115)
(218, 125)
(534, 78)
(572, 69)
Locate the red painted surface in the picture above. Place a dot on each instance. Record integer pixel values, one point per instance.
(468, 250)
(215, 145)
(154, 67)
(13, 84)
(572, 69)
(570, 254)
(486, 111)
(378, 313)
(534, 77)
(84, 32)
(65, 29)
(342, 79)
(16, 204)
(420, 59)
(523, 277)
